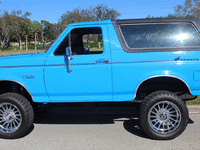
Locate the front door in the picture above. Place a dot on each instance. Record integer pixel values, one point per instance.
(90, 79)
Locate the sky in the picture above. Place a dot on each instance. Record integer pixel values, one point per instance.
(51, 10)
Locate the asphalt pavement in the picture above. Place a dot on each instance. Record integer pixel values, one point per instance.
(194, 109)
(60, 129)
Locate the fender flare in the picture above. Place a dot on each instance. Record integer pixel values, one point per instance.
(157, 76)
(1, 80)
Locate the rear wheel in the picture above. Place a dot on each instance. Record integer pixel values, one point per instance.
(16, 115)
(163, 115)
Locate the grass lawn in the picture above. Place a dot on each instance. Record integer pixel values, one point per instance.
(194, 102)
(12, 52)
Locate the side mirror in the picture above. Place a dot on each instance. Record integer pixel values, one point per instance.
(68, 50)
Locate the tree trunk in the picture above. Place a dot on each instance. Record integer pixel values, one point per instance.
(26, 42)
(2, 46)
(35, 41)
(44, 44)
(98, 40)
(88, 42)
(20, 43)
(8, 44)
(99, 45)
(3, 43)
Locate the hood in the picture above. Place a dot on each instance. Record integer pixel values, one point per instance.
(19, 60)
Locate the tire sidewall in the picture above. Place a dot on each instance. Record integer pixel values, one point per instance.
(23, 127)
(154, 98)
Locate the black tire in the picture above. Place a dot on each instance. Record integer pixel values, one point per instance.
(16, 115)
(163, 115)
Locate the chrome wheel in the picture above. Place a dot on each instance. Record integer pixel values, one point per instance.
(164, 117)
(10, 118)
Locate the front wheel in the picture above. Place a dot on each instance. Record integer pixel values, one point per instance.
(16, 115)
(163, 115)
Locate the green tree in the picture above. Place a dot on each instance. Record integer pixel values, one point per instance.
(190, 9)
(169, 16)
(22, 26)
(58, 28)
(6, 28)
(102, 12)
(48, 34)
(76, 15)
(97, 13)
(13, 25)
(37, 29)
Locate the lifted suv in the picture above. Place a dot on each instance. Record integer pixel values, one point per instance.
(155, 62)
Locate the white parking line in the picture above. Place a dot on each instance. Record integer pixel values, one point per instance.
(194, 112)
(193, 106)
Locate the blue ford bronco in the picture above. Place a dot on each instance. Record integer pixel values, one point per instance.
(152, 61)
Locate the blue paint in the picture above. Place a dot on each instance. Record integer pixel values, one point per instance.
(114, 75)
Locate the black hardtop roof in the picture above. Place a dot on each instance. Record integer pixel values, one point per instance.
(157, 20)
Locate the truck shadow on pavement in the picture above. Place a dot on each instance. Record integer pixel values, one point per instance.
(130, 122)
(92, 115)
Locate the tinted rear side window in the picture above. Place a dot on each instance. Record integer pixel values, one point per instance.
(160, 35)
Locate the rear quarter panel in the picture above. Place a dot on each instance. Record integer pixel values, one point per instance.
(131, 69)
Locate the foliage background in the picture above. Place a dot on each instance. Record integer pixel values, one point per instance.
(17, 27)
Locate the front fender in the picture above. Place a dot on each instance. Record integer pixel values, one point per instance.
(31, 78)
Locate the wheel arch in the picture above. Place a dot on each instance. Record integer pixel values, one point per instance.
(7, 85)
(158, 80)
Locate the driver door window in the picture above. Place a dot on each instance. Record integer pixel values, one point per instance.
(84, 41)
